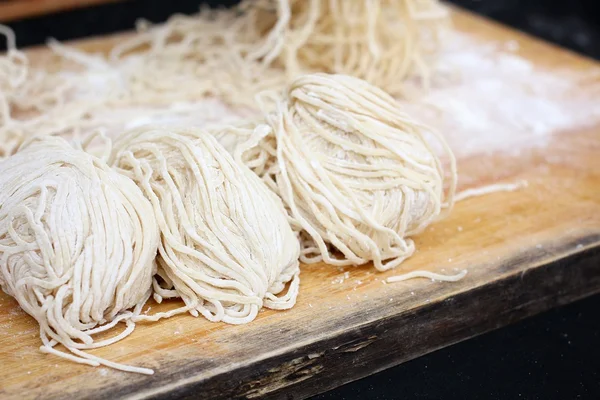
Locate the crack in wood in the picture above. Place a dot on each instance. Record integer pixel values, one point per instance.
(286, 374)
(360, 345)
(300, 369)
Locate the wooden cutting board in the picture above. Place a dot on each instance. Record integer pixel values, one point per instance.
(526, 252)
(11, 10)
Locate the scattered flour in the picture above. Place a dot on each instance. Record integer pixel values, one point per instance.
(201, 113)
(487, 99)
(341, 278)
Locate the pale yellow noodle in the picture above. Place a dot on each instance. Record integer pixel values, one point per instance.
(356, 174)
(77, 246)
(227, 249)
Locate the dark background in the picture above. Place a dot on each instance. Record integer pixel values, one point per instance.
(570, 23)
(555, 355)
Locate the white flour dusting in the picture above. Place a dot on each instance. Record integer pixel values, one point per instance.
(120, 105)
(201, 113)
(491, 100)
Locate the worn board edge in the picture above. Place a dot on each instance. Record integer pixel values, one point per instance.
(386, 343)
(309, 368)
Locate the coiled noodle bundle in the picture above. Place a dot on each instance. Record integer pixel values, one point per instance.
(355, 172)
(77, 246)
(227, 248)
(381, 41)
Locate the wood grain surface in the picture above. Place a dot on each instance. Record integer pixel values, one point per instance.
(11, 10)
(526, 251)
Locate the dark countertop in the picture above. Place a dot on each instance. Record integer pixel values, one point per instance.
(555, 355)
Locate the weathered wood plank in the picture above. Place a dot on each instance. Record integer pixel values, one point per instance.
(11, 10)
(526, 252)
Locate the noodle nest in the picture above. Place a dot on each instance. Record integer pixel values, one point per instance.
(77, 246)
(355, 173)
(226, 247)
